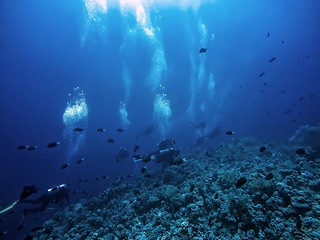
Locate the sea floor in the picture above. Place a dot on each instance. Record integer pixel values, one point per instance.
(233, 191)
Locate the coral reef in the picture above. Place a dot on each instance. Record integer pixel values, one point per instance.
(237, 192)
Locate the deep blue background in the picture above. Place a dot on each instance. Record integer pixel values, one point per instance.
(42, 58)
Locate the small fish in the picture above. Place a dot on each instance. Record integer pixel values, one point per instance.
(21, 147)
(268, 34)
(288, 111)
(20, 227)
(36, 229)
(207, 153)
(282, 91)
(101, 130)
(31, 148)
(146, 159)
(120, 130)
(110, 140)
(300, 151)
(202, 50)
(136, 147)
(80, 161)
(262, 149)
(53, 144)
(177, 161)
(272, 59)
(269, 176)
(307, 56)
(143, 170)
(240, 182)
(104, 177)
(282, 42)
(27, 191)
(64, 166)
(28, 237)
(192, 187)
(85, 180)
(98, 178)
(78, 129)
(300, 99)
(230, 133)
(261, 74)
(311, 95)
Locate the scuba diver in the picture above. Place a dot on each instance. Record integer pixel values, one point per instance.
(57, 194)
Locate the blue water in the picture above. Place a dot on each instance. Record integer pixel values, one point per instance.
(138, 64)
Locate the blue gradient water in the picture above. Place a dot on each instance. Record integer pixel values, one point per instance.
(91, 64)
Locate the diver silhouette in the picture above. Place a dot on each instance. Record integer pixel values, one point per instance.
(57, 194)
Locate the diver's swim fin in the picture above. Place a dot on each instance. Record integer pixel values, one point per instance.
(9, 207)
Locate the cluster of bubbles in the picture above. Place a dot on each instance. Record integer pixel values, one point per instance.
(162, 112)
(76, 109)
(123, 114)
(75, 115)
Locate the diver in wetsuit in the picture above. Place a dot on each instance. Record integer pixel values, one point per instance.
(57, 194)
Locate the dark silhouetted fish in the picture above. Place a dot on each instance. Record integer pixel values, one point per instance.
(229, 132)
(282, 91)
(147, 131)
(268, 34)
(36, 229)
(110, 140)
(143, 170)
(288, 111)
(261, 74)
(31, 148)
(27, 191)
(20, 227)
(64, 166)
(202, 50)
(120, 130)
(301, 98)
(262, 149)
(240, 182)
(101, 130)
(146, 159)
(21, 147)
(53, 144)
(80, 161)
(269, 176)
(300, 151)
(78, 129)
(311, 95)
(207, 153)
(28, 237)
(272, 59)
(136, 147)
(282, 42)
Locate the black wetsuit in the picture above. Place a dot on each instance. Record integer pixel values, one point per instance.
(54, 195)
